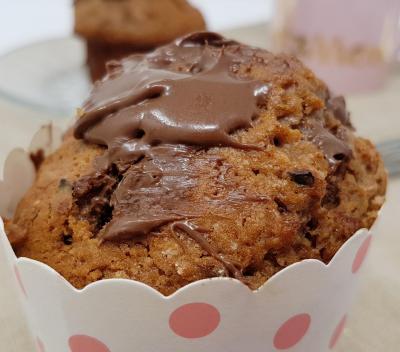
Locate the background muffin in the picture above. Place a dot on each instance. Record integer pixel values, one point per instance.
(114, 29)
(294, 183)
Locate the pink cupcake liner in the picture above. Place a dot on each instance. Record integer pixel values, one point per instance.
(303, 308)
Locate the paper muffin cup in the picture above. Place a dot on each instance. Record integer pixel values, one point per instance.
(303, 308)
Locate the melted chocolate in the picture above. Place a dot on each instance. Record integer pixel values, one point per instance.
(197, 234)
(158, 190)
(205, 38)
(154, 192)
(338, 106)
(149, 102)
(302, 177)
(156, 114)
(335, 149)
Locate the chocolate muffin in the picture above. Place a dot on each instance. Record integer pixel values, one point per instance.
(204, 158)
(115, 29)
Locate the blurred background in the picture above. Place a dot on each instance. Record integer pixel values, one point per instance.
(47, 19)
(47, 68)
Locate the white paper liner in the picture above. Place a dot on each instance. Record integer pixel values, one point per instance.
(303, 308)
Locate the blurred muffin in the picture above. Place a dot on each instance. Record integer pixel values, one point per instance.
(114, 29)
(205, 158)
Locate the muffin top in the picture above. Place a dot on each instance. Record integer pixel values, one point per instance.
(203, 158)
(138, 22)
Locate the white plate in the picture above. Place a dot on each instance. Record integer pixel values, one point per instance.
(49, 76)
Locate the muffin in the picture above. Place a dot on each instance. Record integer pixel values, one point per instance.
(204, 158)
(114, 29)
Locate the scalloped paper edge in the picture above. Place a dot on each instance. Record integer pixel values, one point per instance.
(57, 311)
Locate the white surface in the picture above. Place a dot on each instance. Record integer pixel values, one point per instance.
(26, 21)
(48, 75)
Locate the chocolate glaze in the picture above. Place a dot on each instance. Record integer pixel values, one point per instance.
(205, 38)
(154, 192)
(157, 191)
(335, 149)
(338, 106)
(156, 114)
(152, 103)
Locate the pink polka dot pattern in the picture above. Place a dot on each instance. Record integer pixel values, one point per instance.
(40, 345)
(338, 332)
(84, 343)
(194, 320)
(361, 254)
(292, 331)
(18, 277)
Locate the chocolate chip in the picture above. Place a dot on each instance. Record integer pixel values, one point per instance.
(277, 141)
(64, 183)
(303, 178)
(37, 158)
(312, 224)
(138, 133)
(331, 199)
(312, 239)
(282, 208)
(67, 239)
(339, 156)
(249, 271)
(272, 258)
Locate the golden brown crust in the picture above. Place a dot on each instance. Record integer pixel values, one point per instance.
(141, 23)
(294, 222)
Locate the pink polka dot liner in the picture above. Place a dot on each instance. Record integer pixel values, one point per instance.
(303, 308)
